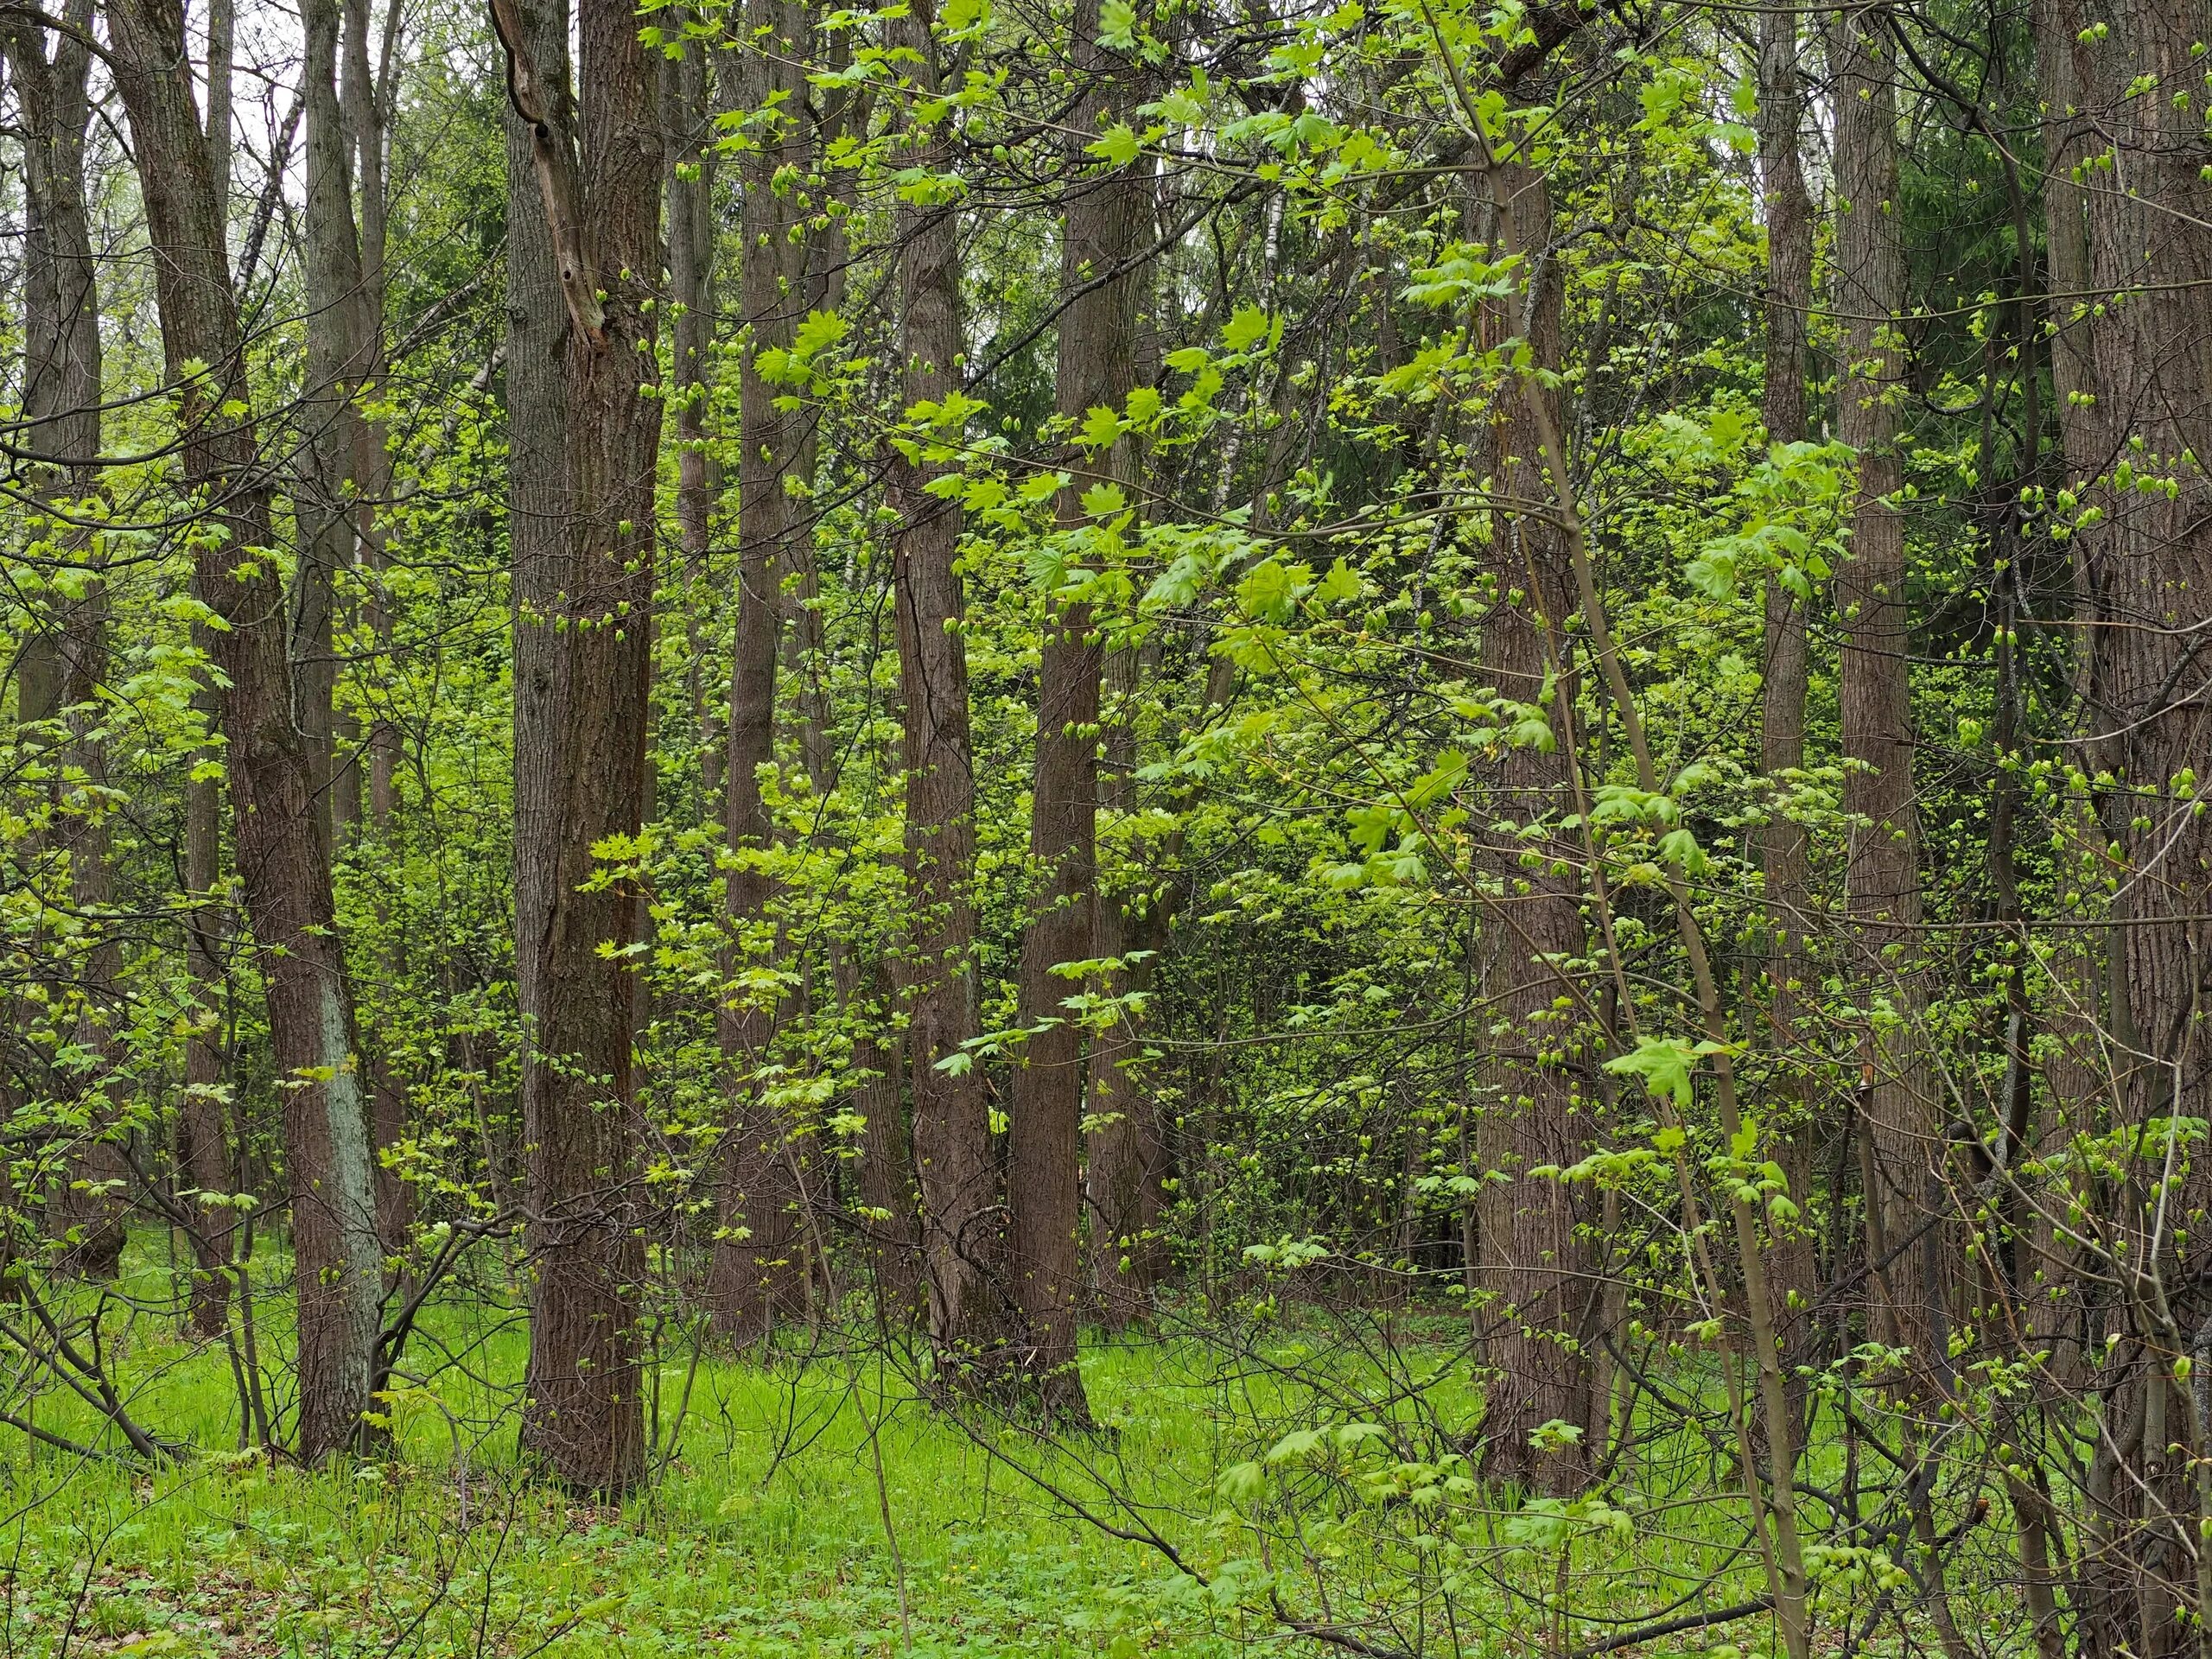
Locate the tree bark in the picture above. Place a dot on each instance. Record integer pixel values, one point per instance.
(952, 1143)
(2147, 569)
(1122, 1152)
(1882, 875)
(330, 443)
(584, 194)
(691, 262)
(61, 409)
(1788, 893)
(1537, 1275)
(281, 853)
(1104, 224)
(760, 1272)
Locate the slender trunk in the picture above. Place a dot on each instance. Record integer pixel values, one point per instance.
(1121, 1141)
(1881, 876)
(684, 83)
(1106, 218)
(363, 107)
(329, 447)
(203, 1136)
(760, 1272)
(583, 593)
(61, 406)
(1536, 1267)
(887, 1150)
(281, 852)
(222, 42)
(952, 1147)
(1788, 662)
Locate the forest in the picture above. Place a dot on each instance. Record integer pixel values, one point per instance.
(1106, 827)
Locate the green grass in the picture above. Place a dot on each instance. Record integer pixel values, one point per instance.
(765, 1532)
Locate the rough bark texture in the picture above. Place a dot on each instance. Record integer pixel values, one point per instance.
(952, 1139)
(203, 1122)
(328, 441)
(583, 596)
(1881, 876)
(1535, 1274)
(282, 856)
(2148, 572)
(61, 411)
(1105, 219)
(760, 1273)
(1122, 1153)
(684, 83)
(1788, 662)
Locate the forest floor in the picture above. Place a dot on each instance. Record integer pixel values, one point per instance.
(768, 1533)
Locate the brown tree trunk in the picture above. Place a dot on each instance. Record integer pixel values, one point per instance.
(364, 92)
(684, 83)
(61, 409)
(590, 224)
(1788, 662)
(1537, 1277)
(330, 446)
(2149, 568)
(281, 852)
(1881, 876)
(1121, 1170)
(887, 1152)
(759, 1271)
(952, 1137)
(203, 1135)
(1104, 222)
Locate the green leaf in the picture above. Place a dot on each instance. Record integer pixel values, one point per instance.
(1119, 144)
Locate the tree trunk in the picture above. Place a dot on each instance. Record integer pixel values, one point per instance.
(2148, 566)
(281, 852)
(1537, 1276)
(583, 596)
(760, 1273)
(363, 102)
(952, 1137)
(1121, 1169)
(1788, 663)
(61, 411)
(684, 83)
(330, 446)
(1882, 875)
(203, 1131)
(1104, 224)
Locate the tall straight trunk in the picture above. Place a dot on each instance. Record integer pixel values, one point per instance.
(583, 593)
(203, 1130)
(1788, 662)
(1882, 875)
(2148, 567)
(1536, 1271)
(204, 1152)
(760, 1272)
(2076, 1076)
(281, 853)
(952, 1132)
(61, 406)
(1121, 1153)
(222, 43)
(363, 95)
(684, 83)
(1104, 222)
(330, 418)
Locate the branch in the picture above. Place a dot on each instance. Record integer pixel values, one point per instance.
(554, 146)
(1674, 1626)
